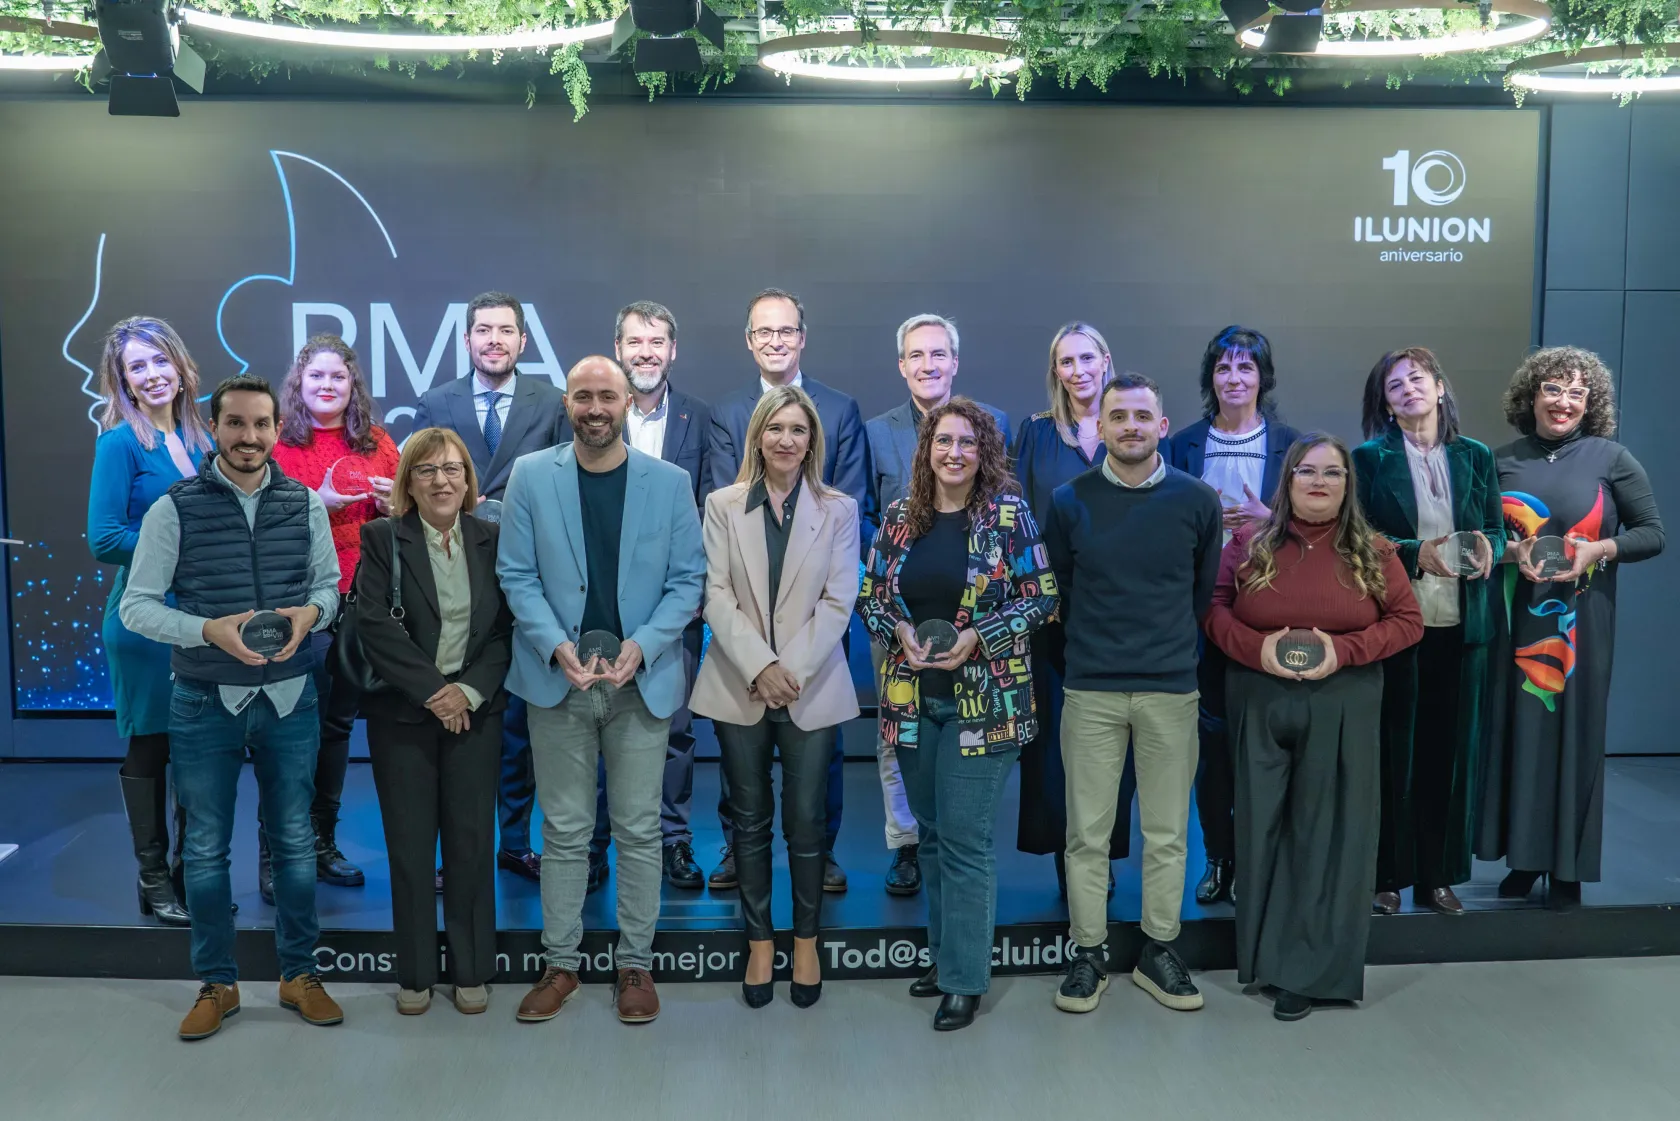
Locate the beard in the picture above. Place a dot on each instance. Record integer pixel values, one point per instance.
(648, 381)
(1133, 453)
(597, 440)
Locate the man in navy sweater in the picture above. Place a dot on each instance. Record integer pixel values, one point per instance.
(1135, 544)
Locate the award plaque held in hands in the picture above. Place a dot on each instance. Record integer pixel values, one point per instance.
(602, 644)
(1552, 556)
(488, 510)
(1300, 651)
(1461, 553)
(349, 476)
(937, 637)
(266, 633)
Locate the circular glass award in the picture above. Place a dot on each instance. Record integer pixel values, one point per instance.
(349, 476)
(1300, 651)
(602, 644)
(1461, 553)
(937, 637)
(1552, 556)
(266, 633)
(488, 510)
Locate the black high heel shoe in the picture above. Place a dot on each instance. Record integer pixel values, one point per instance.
(955, 1011)
(1563, 895)
(1518, 884)
(757, 996)
(803, 996)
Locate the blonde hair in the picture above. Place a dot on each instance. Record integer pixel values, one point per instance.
(120, 405)
(420, 447)
(752, 454)
(1061, 402)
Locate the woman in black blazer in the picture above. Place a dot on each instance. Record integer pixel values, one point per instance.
(435, 734)
(1237, 448)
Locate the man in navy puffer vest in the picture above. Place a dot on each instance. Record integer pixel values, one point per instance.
(241, 538)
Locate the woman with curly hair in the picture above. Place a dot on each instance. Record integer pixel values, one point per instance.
(1543, 784)
(1306, 737)
(962, 549)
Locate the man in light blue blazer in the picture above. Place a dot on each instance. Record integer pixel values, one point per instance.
(927, 359)
(597, 536)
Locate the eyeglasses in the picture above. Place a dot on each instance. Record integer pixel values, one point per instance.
(967, 444)
(426, 472)
(1551, 391)
(1313, 474)
(777, 334)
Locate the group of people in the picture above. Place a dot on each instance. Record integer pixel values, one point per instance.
(1267, 620)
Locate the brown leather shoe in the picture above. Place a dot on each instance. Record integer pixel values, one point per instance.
(551, 992)
(304, 995)
(1441, 900)
(638, 1003)
(1386, 903)
(215, 1003)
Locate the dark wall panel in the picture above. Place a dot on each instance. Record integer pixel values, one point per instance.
(1653, 209)
(1587, 196)
(1591, 319)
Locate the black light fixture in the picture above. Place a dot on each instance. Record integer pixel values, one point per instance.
(1294, 34)
(666, 44)
(1244, 13)
(146, 57)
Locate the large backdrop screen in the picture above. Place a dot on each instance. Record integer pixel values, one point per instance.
(1340, 233)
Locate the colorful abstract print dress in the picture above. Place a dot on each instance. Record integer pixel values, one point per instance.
(1543, 789)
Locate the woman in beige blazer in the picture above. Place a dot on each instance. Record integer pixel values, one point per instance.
(781, 578)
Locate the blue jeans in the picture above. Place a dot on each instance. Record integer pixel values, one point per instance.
(955, 799)
(207, 746)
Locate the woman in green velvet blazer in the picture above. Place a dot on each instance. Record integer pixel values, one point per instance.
(1419, 481)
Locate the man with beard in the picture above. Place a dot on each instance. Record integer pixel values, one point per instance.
(1135, 545)
(501, 414)
(598, 536)
(776, 339)
(927, 360)
(674, 426)
(238, 539)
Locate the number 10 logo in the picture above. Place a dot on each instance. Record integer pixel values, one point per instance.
(1416, 176)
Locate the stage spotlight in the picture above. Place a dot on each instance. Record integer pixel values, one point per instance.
(144, 50)
(667, 46)
(1293, 34)
(1242, 13)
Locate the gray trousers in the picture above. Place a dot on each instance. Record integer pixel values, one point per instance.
(614, 727)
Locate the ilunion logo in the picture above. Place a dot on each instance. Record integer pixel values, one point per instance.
(1436, 178)
(1417, 176)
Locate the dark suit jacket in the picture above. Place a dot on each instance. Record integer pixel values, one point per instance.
(1184, 451)
(1390, 503)
(536, 420)
(688, 434)
(891, 439)
(404, 652)
(846, 461)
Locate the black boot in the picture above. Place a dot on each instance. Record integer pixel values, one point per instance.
(1216, 882)
(146, 804)
(955, 1012)
(265, 867)
(331, 867)
(904, 877)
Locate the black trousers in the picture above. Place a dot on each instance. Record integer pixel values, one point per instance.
(1307, 803)
(340, 702)
(747, 753)
(433, 782)
(1215, 777)
(1428, 757)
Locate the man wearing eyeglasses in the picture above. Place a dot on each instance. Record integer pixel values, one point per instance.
(927, 360)
(1135, 547)
(775, 337)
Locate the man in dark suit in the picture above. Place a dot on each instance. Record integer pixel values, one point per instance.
(671, 425)
(776, 339)
(501, 414)
(927, 359)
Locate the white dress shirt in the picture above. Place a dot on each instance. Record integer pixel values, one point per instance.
(504, 399)
(454, 598)
(1155, 476)
(144, 611)
(646, 431)
(765, 387)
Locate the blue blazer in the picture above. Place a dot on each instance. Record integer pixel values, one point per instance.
(846, 459)
(545, 574)
(1184, 451)
(891, 439)
(536, 420)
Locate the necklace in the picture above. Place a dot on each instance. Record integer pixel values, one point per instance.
(1320, 537)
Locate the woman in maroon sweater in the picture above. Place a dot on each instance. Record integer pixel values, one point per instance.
(1306, 742)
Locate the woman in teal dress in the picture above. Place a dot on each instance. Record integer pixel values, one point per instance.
(153, 438)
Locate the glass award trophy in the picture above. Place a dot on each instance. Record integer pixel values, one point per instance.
(349, 476)
(602, 644)
(1552, 556)
(488, 510)
(1300, 651)
(937, 637)
(1461, 553)
(266, 633)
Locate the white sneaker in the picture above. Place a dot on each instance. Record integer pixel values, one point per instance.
(472, 999)
(413, 1002)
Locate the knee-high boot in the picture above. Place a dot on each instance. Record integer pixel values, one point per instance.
(145, 802)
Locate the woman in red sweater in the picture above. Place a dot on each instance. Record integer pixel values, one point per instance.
(326, 418)
(1306, 740)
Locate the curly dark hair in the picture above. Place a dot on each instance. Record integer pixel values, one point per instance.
(1563, 364)
(297, 430)
(992, 479)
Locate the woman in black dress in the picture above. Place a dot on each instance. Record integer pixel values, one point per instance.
(1543, 788)
(1050, 449)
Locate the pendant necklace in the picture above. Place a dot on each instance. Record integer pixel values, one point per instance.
(1320, 537)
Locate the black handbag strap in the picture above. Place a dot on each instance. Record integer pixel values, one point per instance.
(397, 611)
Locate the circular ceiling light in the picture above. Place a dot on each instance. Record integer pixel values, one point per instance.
(1539, 19)
(404, 41)
(782, 56)
(1528, 73)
